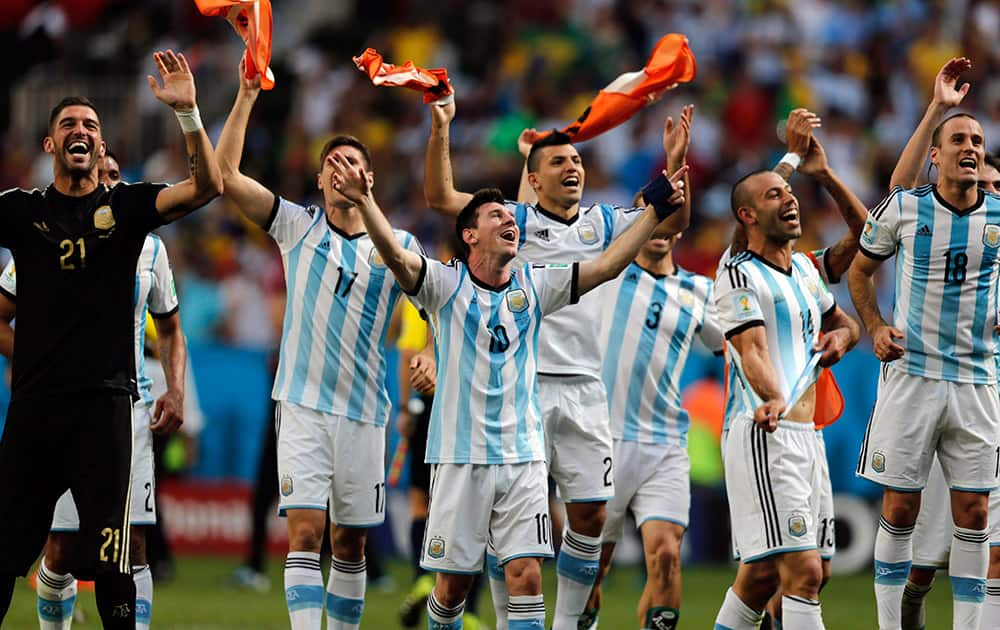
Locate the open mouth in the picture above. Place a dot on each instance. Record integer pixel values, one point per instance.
(509, 235)
(968, 163)
(78, 147)
(790, 216)
(571, 181)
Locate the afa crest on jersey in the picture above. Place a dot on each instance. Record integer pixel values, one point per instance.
(587, 233)
(878, 461)
(797, 525)
(435, 548)
(991, 235)
(517, 300)
(685, 297)
(286, 485)
(375, 259)
(104, 219)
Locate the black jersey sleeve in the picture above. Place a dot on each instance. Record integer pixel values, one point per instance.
(12, 203)
(134, 206)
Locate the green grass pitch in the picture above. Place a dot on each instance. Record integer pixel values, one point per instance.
(199, 599)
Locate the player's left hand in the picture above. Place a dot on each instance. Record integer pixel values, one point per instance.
(833, 345)
(350, 181)
(677, 138)
(814, 161)
(178, 83)
(423, 376)
(168, 415)
(525, 141)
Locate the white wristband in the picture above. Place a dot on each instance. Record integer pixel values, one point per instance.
(190, 121)
(791, 159)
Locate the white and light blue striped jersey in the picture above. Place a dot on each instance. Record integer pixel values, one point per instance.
(340, 298)
(946, 281)
(789, 303)
(155, 293)
(650, 323)
(817, 256)
(569, 340)
(486, 339)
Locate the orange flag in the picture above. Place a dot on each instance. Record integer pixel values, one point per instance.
(252, 21)
(432, 82)
(829, 400)
(670, 63)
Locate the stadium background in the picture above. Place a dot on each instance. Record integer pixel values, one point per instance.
(865, 66)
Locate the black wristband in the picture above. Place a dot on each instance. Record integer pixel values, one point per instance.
(657, 193)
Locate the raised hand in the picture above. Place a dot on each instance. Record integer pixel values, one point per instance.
(349, 180)
(249, 86)
(814, 161)
(525, 141)
(945, 91)
(178, 83)
(677, 138)
(798, 130)
(442, 114)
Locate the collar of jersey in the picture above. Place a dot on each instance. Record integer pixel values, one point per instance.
(980, 198)
(336, 229)
(479, 283)
(658, 276)
(556, 217)
(770, 264)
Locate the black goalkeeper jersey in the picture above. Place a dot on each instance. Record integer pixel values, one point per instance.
(75, 259)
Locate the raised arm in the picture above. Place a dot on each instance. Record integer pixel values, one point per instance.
(352, 182)
(525, 193)
(439, 182)
(168, 415)
(253, 200)
(205, 182)
(859, 280)
(676, 140)
(947, 94)
(623, 249)
(751, 344)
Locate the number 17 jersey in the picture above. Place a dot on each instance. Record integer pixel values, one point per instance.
(945, 281)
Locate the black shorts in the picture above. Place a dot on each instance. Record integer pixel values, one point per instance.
(81, 442)
(420, 473)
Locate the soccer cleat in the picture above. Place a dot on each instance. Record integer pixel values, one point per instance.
(588, 619)
(412, 608)
(246, 579)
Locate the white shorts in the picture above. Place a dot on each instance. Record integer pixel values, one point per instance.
(933, 532)
(771, 483)
(916, 416)
(826, 540)
(143, 506)
(577, 437)
(473, 505)
(329, 459)
(651, 480)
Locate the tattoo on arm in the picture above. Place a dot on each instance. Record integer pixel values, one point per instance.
(785, 170)
(193, 165)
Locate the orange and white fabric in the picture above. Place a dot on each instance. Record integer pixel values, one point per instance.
(432, 82)
(670, 63)
(253, 22)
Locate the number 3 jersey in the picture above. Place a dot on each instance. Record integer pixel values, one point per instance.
(340, 298)
(789, 303)
(945, 281)
(486, 339)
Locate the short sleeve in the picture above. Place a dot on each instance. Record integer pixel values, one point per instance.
(826, 299)
(880, 235)
(289, 222)
(134, 206)
(8, 285)
(437, 282)
(736, 301)
(556, 285)
(709, 330)
(411, 243)
(163, 293)
(617, 220)
(818, 257)
(11, 204)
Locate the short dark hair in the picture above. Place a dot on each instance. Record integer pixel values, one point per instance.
(992, 159)
(554, 139)
(68, 101)
(342, 140)
(468, 217)
(936, 134)
(109, 154)
(740, 196)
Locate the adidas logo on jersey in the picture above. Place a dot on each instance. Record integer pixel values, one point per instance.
(323, 246)
(923, 230)
(632, 277)
(543, 234)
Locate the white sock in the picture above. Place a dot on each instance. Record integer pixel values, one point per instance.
(526, 612)
(893, 557)
(967, 566)
(735, 615)
(143, 579)
(800, 613)
(441, 618)
(991, 609)
(913, 612)
(304, 590)
(56, 598)
(498, 589)
(577, 566)
(345, 594)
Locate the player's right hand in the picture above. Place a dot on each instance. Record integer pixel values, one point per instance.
(945, 92)
(798, 130)
(178, 82)
(442, 114)
(249, 86)
(677, 138)
(423, 377)
(883, 344)
(766, 416)
(525, 141)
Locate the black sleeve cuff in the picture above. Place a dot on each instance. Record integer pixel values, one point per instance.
(745, 326)
(574, 285)
(10, 296)
(829, 311)
(719, 353)
(274, 213)
(834, 279)
(420, 278)
(169, 313)
(873, 255)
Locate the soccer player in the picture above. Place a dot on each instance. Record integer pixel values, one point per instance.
(77, 244)
(937, 385)
(330, 384)
(772, 304)
(932, 534)
(488, 485)
(556, 229)
(156, 295)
